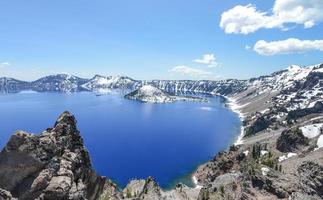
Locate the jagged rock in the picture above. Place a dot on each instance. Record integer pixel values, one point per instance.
(302, 196)
(260, 124)
(222, 163)
(227, 186)
(52, 165)
(295, 114)
(279, 184)
(151, 190)
(110, 191)
(291, 140)
(134, 188)
(181, 192)
(5, 195)
(311, 178)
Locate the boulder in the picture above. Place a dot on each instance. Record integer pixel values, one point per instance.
(291, 140)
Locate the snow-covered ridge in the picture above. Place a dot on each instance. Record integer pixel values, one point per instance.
(276, 82)
(295, 87)
(110, 82)
(58, 82)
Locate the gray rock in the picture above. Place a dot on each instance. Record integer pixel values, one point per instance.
(311, 178)
(5, 195)
(291, 140)
(52, 165)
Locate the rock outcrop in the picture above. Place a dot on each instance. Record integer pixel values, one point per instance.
(223, 162)
(291, 140)
(295, 114)
(53, 165)
(311, 178)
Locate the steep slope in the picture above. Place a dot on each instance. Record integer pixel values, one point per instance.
(223, 87)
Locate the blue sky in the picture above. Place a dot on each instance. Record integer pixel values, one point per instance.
(161, 39)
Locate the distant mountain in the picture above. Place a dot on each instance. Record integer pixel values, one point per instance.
(58, 83)
(223, 87)
(284, 86)
(10, 85)
(98, 83)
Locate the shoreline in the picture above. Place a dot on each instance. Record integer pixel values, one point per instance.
(197, 186)
(235, 107)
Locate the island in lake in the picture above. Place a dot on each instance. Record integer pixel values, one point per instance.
(151, 94)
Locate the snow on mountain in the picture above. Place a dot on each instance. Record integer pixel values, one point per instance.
(293, 88)
(151, 94)
(280, 80)
(98, 83)
(305, 90)
(58, 83)
(223, 87)
(10, 85)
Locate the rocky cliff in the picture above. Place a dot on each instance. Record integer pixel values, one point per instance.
(52, 165)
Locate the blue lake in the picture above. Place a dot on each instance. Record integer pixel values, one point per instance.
(128, 139)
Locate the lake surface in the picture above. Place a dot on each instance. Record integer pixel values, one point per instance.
(128, 139)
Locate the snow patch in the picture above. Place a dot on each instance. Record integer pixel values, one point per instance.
(264, 171)
(285, 157)
(312, 131)
(246, 153)
(197, 186)
(263, 152)
(320, 142)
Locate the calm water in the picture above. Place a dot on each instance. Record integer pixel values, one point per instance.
(129, 139)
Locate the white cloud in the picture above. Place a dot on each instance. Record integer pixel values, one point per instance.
(247, 19)
(189, 71)
(291, 45)
(247, 47)
(4, 64)
(207, 59)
